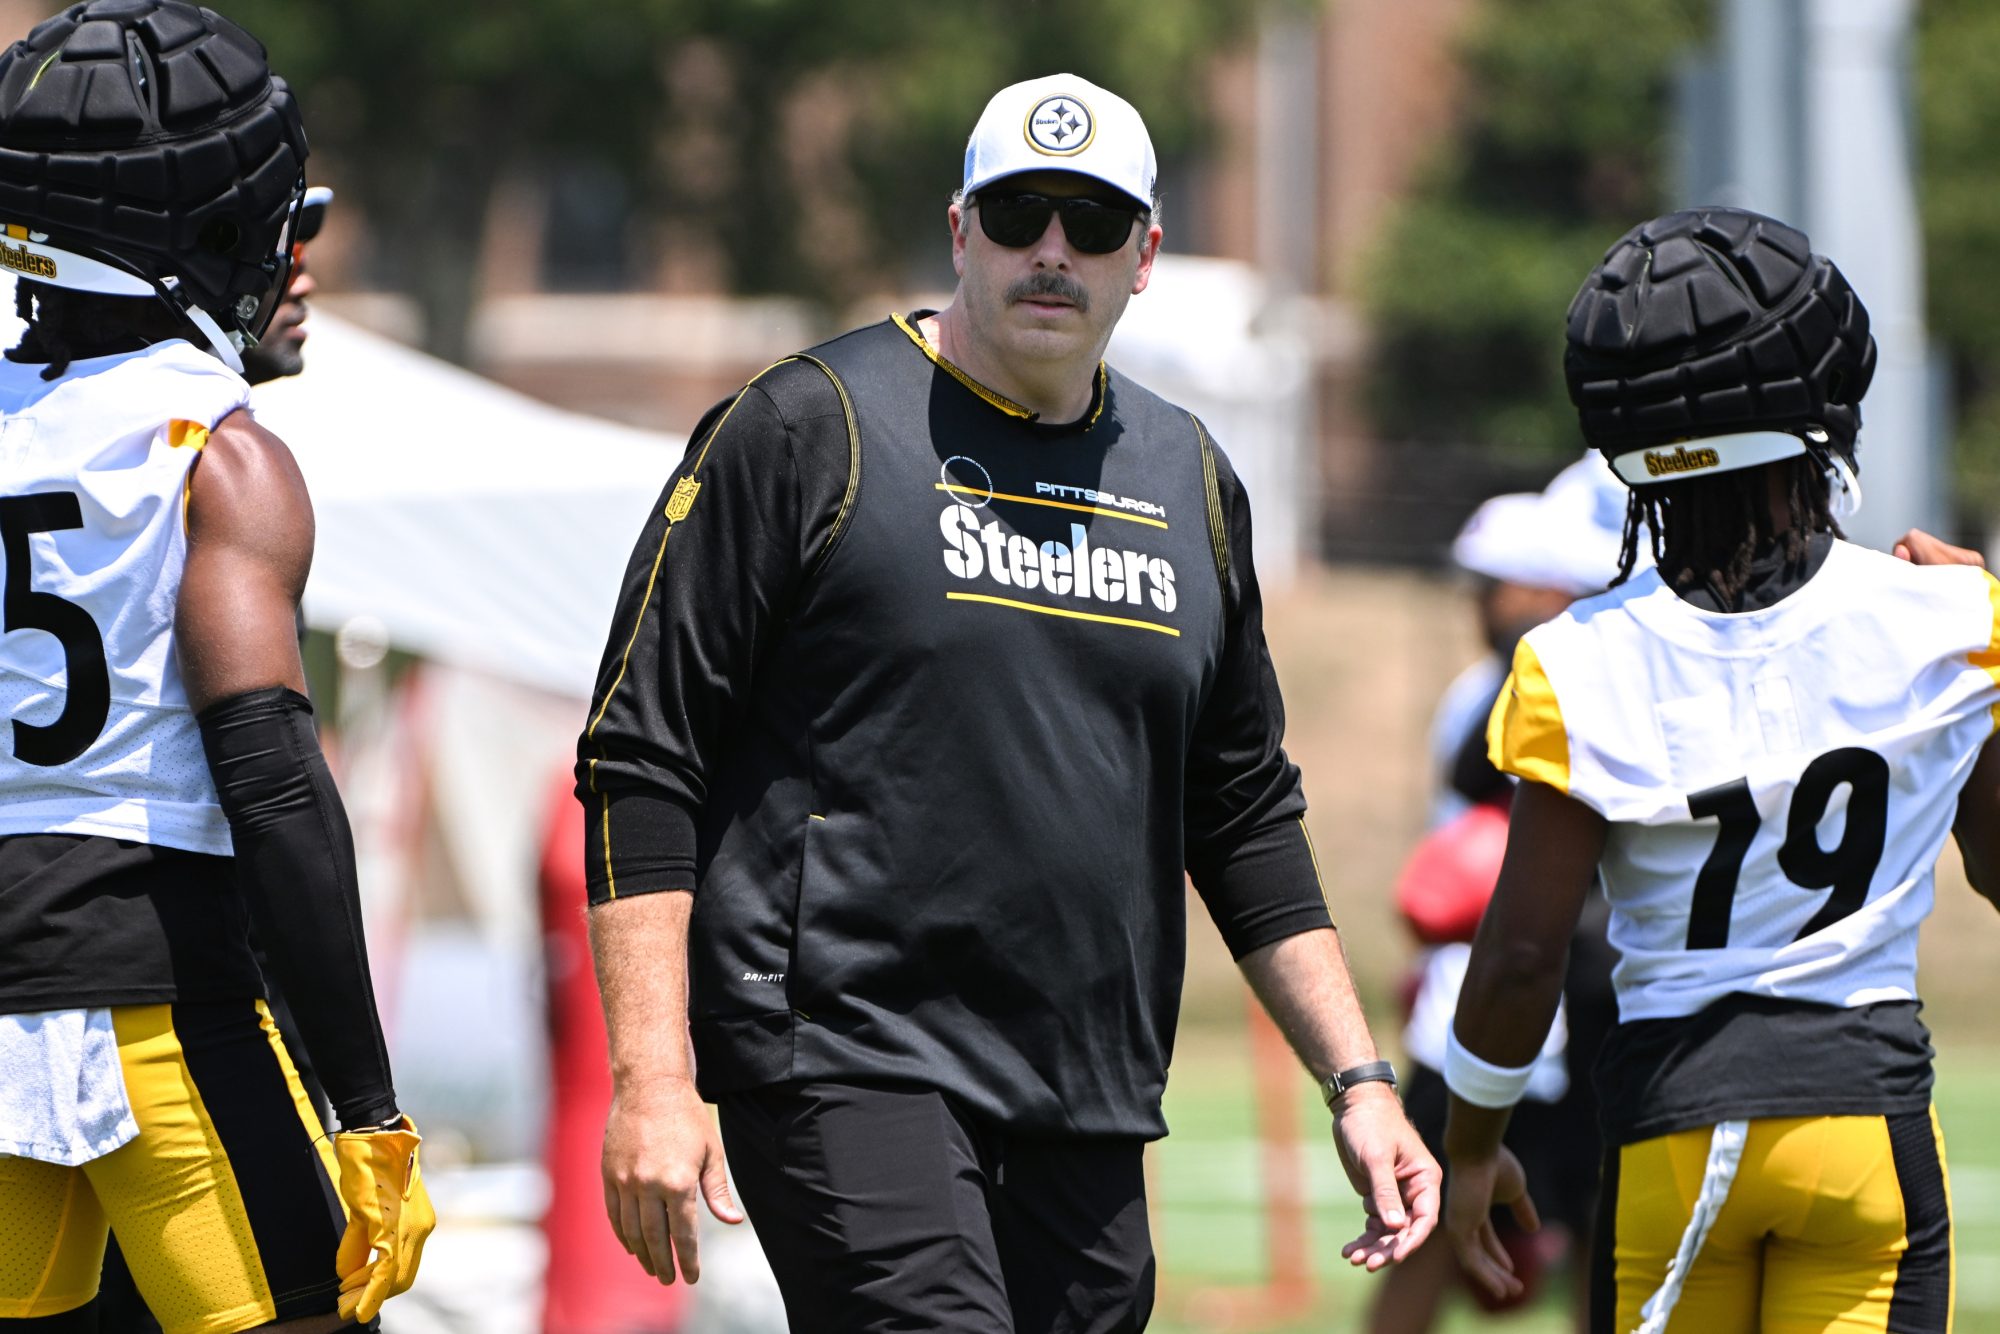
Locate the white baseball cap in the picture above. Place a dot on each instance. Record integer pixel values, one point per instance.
(1062, 123)
(1543, 540)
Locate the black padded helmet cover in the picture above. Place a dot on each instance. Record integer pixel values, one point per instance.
(151, 133)
(1715, 322)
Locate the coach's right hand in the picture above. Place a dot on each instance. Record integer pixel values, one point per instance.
(661, 1152)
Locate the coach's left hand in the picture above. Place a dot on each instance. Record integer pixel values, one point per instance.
(1391, 1171)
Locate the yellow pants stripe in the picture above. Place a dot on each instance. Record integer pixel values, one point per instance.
(1951, 1211)
(308, 1114)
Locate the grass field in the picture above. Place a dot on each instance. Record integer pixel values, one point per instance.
(1210, 1201)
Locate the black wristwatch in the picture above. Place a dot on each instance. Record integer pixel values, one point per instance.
(1373, 1072)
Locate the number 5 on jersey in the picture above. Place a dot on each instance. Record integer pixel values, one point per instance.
(1846, 868)
(87, 695)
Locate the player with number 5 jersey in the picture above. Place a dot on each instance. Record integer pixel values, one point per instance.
(1760, 745)
(97, 464)
(161, 783)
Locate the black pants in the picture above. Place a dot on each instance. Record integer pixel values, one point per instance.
(887, 1209)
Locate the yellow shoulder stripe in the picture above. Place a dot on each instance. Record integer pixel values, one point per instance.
(1000, 401)
(659, 557)
(182, 434)
(1525, 735)
(1988, 658)
(1318, 877)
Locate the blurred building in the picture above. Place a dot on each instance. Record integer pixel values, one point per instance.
(17, 16)
(1321, 120)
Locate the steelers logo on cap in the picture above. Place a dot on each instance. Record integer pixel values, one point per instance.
(1060, 126)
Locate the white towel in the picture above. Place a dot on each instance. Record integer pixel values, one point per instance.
(62, 1089)
(1725, 1155)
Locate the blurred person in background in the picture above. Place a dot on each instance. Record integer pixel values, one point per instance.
(1760, 747)
(1531, 555)
(591, 1285)
(162, 775)
(939, 668)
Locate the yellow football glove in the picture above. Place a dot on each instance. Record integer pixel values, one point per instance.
(388, 1216)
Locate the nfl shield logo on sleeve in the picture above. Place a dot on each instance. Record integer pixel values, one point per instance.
(682, 500)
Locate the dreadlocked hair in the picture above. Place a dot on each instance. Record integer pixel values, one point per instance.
(1705, 531)
(65, 326)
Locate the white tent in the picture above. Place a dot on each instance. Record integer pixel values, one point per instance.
(486, 530)
(1213, 336)
(480, 527)
(487, 533)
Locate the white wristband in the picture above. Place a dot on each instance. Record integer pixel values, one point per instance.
(1479, 1082)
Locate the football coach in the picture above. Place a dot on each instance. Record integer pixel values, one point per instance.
(939, 664)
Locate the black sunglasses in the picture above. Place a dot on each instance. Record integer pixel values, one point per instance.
(1092, 226)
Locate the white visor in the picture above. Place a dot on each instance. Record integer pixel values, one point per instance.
(1711, 454)
(29, 255)
(1541, 540)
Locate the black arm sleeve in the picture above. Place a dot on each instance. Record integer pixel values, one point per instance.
(753, 508)
(1247, 848)
(295, 867)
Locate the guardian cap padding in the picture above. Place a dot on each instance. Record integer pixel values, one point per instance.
(1716, 322)
(152, 134)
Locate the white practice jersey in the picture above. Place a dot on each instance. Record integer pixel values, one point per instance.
(94, 468)
(1778, 782)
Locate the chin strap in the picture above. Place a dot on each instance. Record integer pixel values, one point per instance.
(220, 343)
(1844, 488)
(40, 259)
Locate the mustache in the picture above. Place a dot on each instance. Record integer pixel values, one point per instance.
(1050, 283)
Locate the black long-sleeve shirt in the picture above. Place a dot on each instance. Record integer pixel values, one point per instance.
(941, 837)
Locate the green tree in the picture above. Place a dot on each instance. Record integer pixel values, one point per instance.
(913, 75)
(1958, 124)
(1557, 151)
(810, 145)
(427, 106)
